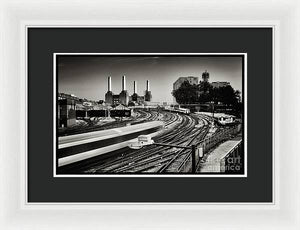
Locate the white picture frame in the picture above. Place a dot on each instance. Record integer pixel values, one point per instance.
(283, 16)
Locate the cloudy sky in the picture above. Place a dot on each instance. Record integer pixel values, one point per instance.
(86, 76)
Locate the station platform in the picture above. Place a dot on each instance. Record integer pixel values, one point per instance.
(212, 163)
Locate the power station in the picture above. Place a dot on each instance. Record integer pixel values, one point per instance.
(148, 95)
(134, 96)
(124, 98)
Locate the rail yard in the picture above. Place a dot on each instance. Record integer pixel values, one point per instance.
(175, 128)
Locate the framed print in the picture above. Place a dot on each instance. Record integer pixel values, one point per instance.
(163, 131)
(79, 142)
(192, 128)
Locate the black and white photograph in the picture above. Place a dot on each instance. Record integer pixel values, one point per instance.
(150, 114)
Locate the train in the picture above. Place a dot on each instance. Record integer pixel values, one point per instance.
(79, 147)
(225, 120)
(177, 110)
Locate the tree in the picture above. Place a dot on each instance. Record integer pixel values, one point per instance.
(238, 95)
(227, 95)
(186, 93)
(205, 87)
(215, 95)
(205, 93)
(238, 106)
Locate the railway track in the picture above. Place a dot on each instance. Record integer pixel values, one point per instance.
(127, 157)
(178, 161)
(155, 158)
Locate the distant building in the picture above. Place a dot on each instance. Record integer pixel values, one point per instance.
(66, 111)
(219, 84)
(115, 99)
(140, 99)
(80, 107)
(62, 96)
(135, 97)
(205, 76)
(148, 95)
(109, 95)
(192, 80)
(124, 98)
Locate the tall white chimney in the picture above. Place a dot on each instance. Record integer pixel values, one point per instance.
(148, 86)
(123, 83)
(109, 83)
(134, 87)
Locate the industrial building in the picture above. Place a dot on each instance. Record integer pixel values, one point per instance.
(219, 84)
(124, 98)
(192, 80)
(109, 93)
(69, 106)
(148, 95)
(66, 112)
(135, 97)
